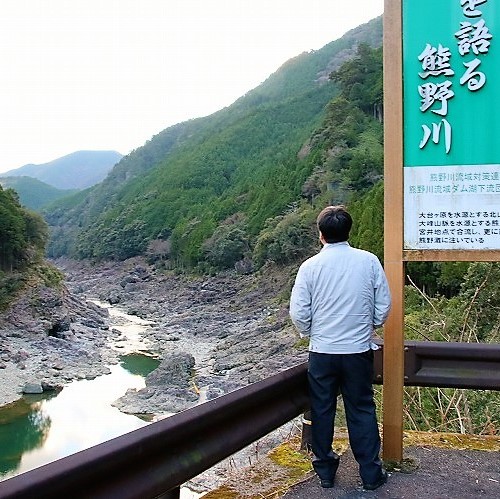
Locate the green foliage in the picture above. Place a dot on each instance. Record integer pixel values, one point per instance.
(368, 221)
(187, 239)
(471, 315)
(438, 278)
(33, 193)
(450, 278)
(49, 275)
(360, 79)
(480, 291)
(23, 234)
(348, 152)
(36, 231)
(12, 231)
(228, 244)
(287, 238)
(10, 284)
(119, 241)
(452, 410)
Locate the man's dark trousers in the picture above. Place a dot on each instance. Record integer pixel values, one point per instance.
(352, 374)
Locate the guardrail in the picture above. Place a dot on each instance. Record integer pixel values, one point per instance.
(155, 460)
(447, 365)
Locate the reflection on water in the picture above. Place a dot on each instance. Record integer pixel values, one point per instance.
(22, 426)
(136, 363)
(39, 429)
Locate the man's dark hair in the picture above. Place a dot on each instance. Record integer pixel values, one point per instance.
(334, 223)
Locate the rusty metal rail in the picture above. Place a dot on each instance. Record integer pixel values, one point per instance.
(155, 460)
(447, 365)
(452, 365)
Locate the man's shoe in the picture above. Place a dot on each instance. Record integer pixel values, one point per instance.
(326, 484)
(378, 483)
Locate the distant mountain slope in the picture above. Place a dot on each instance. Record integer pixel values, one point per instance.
(33, 193)
(77, 170)
(225, 174)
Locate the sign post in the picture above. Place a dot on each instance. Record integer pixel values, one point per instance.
(393, 233)
(442, 155)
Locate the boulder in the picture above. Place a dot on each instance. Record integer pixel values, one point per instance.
(33, 387)
(168, 388)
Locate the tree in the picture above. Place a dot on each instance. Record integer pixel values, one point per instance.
(228, 245)
(23, 233)
(360, 80)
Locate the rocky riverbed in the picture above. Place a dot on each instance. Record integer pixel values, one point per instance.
(211, 334)
(229, 330)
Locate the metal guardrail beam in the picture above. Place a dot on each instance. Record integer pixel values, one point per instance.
(152, 460)
(452, 365)
(447, 365)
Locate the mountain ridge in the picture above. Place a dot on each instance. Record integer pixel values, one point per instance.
(33, 193)
(77, 170)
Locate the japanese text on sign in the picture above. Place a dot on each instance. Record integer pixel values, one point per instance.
(473, 41)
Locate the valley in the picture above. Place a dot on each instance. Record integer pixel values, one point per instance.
(215, 334)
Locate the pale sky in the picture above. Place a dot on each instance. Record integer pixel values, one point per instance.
(110, 74)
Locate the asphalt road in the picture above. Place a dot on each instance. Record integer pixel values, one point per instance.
(432, 473)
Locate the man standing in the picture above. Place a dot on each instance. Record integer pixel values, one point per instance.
(340, 295)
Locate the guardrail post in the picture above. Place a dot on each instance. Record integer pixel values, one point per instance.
(305, 443)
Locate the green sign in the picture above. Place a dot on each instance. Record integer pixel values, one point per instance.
(451, 94)
(451, 67)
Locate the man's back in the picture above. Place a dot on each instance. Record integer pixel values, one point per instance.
(339, 295)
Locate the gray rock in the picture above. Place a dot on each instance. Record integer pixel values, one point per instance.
(114, 297)
(174, 369)
(60, 327)
(168, 388)
(49, 386)
(33, 387)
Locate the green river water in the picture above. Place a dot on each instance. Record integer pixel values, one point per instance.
(42, 428)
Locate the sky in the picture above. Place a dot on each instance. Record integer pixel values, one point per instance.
(111, 74)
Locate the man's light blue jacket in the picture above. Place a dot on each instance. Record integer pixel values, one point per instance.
(340, 295)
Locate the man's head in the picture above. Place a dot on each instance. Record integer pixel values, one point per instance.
(334, 224)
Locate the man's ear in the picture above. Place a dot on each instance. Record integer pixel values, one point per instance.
(321, 238)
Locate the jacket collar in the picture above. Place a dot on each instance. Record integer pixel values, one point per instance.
(335, 245)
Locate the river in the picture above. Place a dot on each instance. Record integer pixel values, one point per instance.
(39, 429)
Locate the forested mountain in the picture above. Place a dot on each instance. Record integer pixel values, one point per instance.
(203, 190)
(77, 170)
(33, 193)
(23, 236)
(23, 233)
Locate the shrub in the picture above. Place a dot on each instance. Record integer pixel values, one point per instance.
(287, 238)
